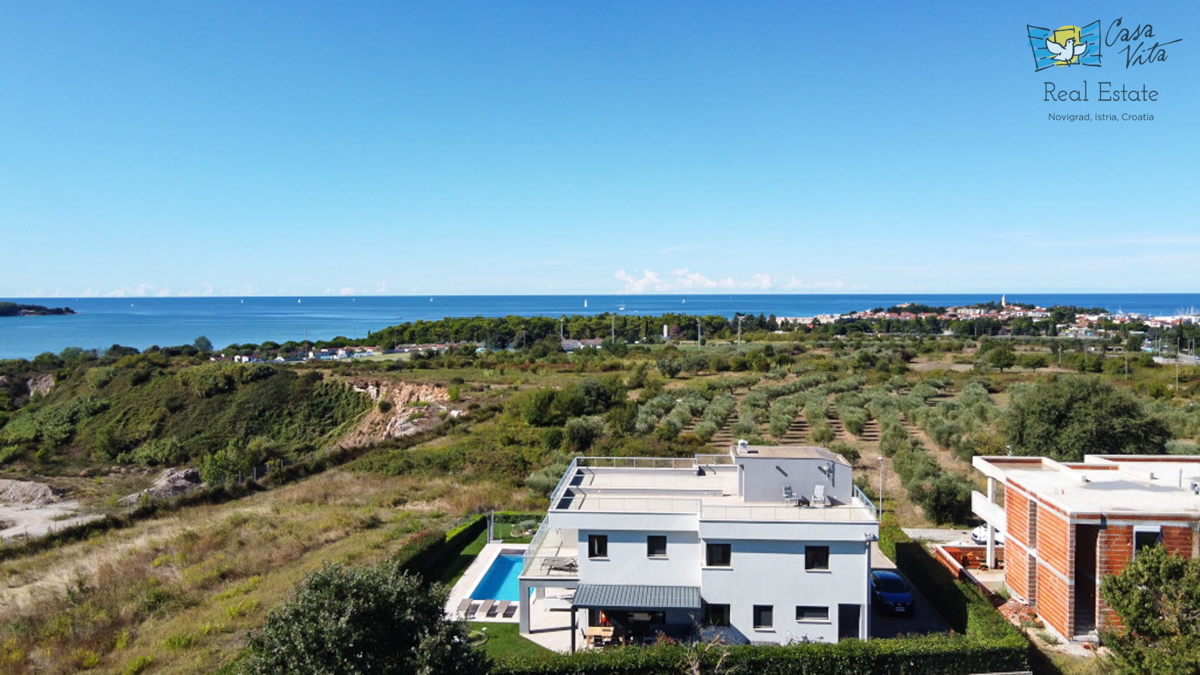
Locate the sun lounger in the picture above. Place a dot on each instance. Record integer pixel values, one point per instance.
(511, 610)
(463, 607)
(498, 608)
(473, 610)
(486, 609)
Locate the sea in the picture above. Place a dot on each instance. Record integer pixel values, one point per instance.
(144, 322)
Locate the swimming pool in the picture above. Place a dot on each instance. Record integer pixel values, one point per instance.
(501, 580)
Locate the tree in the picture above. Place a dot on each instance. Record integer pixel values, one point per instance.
(1064, 418)
(669, 367)
(362, 620)
(1001, 358)
(1156, 597)
(203, 344)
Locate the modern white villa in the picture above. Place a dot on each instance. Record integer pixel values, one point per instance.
(768, 544)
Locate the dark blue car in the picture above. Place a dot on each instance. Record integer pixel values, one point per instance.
(889, 592)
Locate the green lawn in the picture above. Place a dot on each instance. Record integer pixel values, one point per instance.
(457, 566)
(504, 532)
(505, 641)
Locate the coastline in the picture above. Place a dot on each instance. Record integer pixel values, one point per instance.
(145, 322)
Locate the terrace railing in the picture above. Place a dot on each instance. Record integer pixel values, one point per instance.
(864, 501)
(535, 545)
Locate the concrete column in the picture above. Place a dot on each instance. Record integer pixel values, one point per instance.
(991, 532)
(524, 606)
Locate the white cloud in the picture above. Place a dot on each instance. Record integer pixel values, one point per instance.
(383, 288)
(684, 280)
(797, 284)
(648, 281)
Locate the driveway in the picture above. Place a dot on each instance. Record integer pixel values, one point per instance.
(924, 618)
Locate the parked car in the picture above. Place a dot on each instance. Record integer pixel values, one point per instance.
(890, 593)
(979, 535)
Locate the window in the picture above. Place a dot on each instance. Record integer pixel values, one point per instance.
(1144, 537)
(716, 615)
(656, 546)
(719, 555)
(816, 557)
(597, 545)
(807, 613)
(764, 617)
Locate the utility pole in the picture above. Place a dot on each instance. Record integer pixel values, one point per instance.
(740, 319)
(881, 488)
(614, 327)
(699, 337)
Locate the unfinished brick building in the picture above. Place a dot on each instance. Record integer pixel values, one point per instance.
(1067, 525)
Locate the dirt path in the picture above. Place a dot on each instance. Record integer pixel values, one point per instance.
(28, 520)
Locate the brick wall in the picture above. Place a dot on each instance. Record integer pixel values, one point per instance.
(1016, 513)
(1056, 546)
(1016, 570)
(1053, 604)
(1115, 550)
(1178, 540)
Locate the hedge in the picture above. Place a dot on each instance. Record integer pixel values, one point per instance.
(427, 550)
(961, 604)
(935, 654)
(981, 640)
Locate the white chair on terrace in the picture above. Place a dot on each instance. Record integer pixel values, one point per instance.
(818, 498)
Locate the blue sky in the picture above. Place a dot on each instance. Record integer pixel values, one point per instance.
(270, 148)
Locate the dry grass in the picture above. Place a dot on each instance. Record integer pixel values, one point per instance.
(178, 594)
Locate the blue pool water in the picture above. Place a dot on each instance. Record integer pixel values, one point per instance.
(500, 582)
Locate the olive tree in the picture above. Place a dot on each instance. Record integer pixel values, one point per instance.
(362, 621)
(1064, 418)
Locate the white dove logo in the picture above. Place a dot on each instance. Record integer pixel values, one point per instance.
(1065, 53)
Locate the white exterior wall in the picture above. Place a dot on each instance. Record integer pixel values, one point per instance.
(772, 573)
(628, 563)
(763, 479)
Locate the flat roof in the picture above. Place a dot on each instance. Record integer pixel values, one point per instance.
(711, 492)
(788, 452)
(1106, 484)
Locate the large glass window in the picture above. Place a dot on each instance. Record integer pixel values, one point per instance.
(719, 555)
(597, 545)
(816, 557)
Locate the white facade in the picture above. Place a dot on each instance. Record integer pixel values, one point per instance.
(763, 527)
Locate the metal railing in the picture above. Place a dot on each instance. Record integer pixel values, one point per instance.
(866, 503)
(534, 544)
(636, 462)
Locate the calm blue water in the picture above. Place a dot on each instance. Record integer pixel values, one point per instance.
(501, 581)
(142, 322)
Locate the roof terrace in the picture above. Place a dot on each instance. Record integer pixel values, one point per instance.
(706, 486)
(1106, 484)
